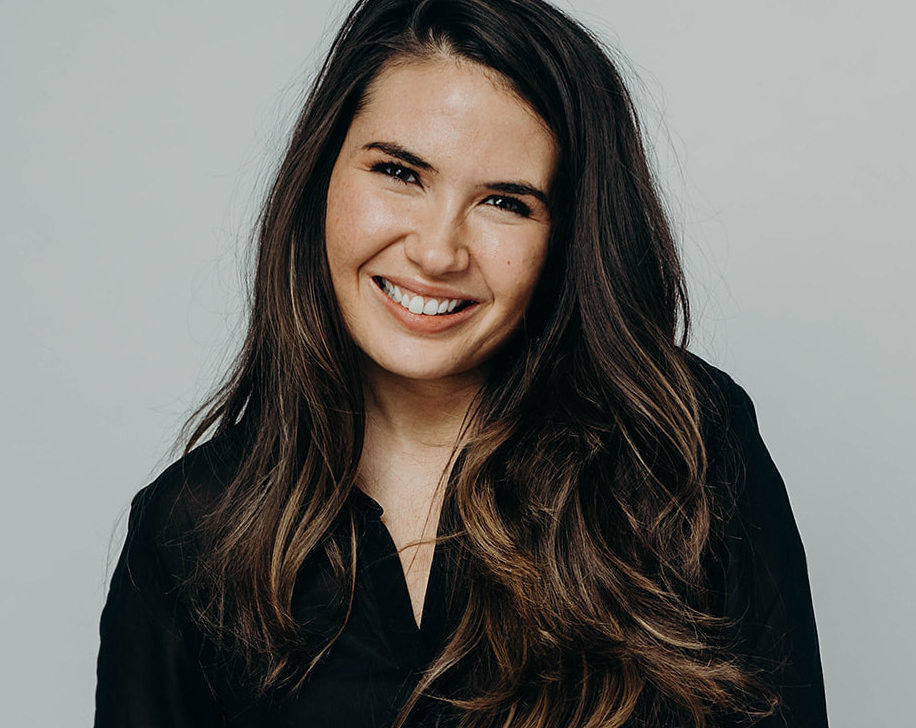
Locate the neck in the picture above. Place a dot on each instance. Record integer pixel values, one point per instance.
(417, 415)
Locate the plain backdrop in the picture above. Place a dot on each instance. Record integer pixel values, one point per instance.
(136, 141)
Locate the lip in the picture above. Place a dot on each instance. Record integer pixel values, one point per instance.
(418, 322)
(425, 290)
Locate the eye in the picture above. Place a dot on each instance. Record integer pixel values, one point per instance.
(395, 171)
(511, 204)
(406, 175)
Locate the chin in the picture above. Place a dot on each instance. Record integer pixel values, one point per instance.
(426, 372)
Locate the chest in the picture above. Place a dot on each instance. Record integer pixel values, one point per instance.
(364, 677)
(413, 532)
(410, 489)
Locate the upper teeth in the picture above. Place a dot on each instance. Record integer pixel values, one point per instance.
(419, 304)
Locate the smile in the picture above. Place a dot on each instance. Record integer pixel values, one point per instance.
(417, 304)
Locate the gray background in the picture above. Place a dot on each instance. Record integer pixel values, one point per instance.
(137, 140)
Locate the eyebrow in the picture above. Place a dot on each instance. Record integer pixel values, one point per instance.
(512, 188)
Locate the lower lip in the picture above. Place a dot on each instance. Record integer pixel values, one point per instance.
(422, 323)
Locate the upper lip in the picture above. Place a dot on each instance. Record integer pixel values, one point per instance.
(426, 290)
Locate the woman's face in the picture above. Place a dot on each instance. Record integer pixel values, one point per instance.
(437, 222)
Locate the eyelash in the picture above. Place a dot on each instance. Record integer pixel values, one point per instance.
(516, 206)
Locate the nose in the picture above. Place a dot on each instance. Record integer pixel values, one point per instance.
(438, 246)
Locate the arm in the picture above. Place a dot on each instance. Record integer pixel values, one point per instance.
(146, 674)
(766, 578)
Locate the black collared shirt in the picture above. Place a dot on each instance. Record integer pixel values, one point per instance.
(154, 671)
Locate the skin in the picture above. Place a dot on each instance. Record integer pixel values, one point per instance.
(442, 227)
(445, 226)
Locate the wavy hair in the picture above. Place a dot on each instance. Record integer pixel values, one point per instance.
(582, 512)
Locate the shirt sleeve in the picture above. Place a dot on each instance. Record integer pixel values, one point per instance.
(147, 675)
(767, 590)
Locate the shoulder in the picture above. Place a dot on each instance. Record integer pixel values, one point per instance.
(165, 514)
(761, 538)
(728, 417)
(741, 471)
(725, 403)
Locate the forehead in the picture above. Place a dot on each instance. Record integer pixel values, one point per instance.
(449, 109)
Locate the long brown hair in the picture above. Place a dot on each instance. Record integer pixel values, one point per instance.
(583, 512)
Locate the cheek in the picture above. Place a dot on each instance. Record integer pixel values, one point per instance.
(360, 219)
(514, 270)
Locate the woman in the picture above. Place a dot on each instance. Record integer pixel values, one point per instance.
(464, 471)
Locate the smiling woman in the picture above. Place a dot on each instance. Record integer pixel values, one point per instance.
(465, 471)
